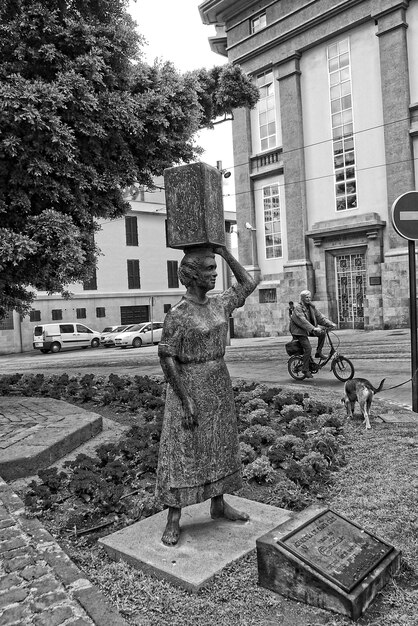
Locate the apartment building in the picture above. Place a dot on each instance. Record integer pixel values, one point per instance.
(319, 162)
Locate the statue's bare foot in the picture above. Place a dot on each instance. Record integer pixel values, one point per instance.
(171, 533)
(219, 508)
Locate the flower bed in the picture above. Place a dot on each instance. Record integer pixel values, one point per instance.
(291, 446)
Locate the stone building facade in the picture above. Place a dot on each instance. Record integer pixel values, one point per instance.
(319, 162)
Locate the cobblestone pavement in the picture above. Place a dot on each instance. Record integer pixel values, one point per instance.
(39, 584)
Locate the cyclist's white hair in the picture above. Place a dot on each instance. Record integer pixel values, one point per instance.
(305, 292)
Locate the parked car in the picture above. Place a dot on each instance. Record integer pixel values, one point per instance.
(108, 339)
(54, 337)
(140, 334)
(109, 329)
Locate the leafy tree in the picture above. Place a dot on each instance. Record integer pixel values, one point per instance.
(83, 117)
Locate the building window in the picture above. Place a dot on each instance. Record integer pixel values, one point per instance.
(56, 314)
(34, 316)
(267, 295)
(7, 322)
(272, 222)
(266, 110)
(167, 307)
(81, 314)
(100, 311)
(258, 22)
(134, 314)
(172, 274)
(134, 279)
(91, 283)
(342, 125)
(131, 228)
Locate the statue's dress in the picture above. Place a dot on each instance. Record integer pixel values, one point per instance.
(197, 464)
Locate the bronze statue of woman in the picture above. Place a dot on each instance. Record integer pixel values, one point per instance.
(199, 454)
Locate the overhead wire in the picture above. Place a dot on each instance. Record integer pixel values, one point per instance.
(312, 145)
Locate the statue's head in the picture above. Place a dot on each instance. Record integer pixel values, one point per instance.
(193, 263)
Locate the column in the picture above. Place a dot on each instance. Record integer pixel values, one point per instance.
(294, 171)
(247, 244)
(391, 22)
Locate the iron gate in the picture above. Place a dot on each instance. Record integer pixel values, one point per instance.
(351, 289)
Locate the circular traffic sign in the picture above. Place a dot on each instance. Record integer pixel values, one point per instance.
(405, 215)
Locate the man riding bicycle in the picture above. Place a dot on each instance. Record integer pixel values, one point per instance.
(306, 321)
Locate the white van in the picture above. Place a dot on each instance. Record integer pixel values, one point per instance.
(54, 337)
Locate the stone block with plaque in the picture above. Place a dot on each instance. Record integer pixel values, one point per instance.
(321, 558)
(194, 202)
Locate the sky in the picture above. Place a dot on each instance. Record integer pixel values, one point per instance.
(174, 32)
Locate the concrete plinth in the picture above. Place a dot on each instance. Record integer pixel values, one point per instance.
(206, 546)
(35, 432)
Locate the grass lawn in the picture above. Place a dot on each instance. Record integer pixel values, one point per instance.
(377, 489)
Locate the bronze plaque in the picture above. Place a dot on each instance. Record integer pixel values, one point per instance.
(336, 548)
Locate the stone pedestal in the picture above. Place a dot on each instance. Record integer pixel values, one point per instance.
(205, 547)
(195, 214)
(320, 558)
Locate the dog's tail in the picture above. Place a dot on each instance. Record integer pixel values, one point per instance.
(379, 387)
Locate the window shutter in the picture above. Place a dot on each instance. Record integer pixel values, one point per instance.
(172, 274)
(131, 228)
(134, 281)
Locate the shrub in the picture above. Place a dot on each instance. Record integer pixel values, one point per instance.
(259, 416)
(316, 466)
(8, 383)
(297, 473)
(299, 426)
(291, 411)
(258, 436)
(260, 470)
(332, 421)
(285, 448)
(287, 494)
(311, 468)
(325, 444)
(315, 407)
(287, 397)
(51, 478)
(248, 454)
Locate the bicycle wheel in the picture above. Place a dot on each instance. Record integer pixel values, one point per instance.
(342, 368)
(294, 367)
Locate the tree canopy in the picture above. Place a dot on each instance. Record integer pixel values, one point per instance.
(83, 117)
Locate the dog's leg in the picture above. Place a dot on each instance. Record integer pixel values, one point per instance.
(349, 406)
(365, 408)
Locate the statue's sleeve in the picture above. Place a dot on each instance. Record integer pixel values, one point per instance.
(170, 337)
(233, 298)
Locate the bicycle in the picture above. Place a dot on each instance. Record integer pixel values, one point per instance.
(341, 367)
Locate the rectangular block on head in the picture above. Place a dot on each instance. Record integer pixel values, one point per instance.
(195, 213)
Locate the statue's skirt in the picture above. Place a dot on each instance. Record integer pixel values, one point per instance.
(197, 464)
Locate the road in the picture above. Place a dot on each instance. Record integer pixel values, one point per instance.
(375, 355)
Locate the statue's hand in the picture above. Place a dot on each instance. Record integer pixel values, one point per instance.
(189, 415)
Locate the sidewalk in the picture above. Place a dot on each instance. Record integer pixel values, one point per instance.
(39, 584)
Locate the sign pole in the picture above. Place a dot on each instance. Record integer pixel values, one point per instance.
(405, 222)
(413, 322)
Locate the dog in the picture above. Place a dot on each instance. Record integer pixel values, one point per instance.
(362, 391)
